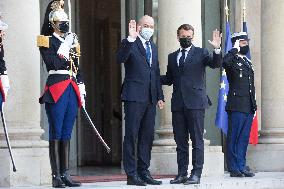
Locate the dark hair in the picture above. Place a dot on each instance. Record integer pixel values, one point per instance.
(185, 27)
(46, 28)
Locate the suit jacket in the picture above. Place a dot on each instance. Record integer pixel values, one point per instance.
(240, 74)
(189, 84)
(142, 81)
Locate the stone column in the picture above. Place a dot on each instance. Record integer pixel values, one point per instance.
(170, 16)
(22, 108)
(269, 154)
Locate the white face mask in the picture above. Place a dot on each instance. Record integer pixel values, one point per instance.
(147, 33)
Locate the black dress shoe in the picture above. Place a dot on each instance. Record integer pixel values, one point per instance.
(135, 180)
(247, 173)
(68, 181)
(247, 168)
(179, 179)
(193, 179)
(149, 179)
(57, 182)
(236, 174)
(64, 164)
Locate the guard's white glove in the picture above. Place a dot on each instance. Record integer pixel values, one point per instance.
(82, 93)
(237, 45)
(76, 41)
(5, 84)
(65, 47)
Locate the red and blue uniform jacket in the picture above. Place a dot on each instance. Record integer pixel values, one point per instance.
(3, 70)
(56, 84)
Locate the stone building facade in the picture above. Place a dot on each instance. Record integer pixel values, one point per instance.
(100, 26)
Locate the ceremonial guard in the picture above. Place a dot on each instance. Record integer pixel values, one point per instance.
(241, 104)
(64, 92)
(4, 81)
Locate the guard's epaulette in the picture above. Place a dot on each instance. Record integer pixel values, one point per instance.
(43, 41)
(78, 49)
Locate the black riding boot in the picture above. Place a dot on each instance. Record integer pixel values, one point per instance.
(64, 161)
(55, 164)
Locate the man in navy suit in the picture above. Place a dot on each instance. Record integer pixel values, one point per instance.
(186, 72)
(141, 92)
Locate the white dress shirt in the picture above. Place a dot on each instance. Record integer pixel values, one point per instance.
(180, 53)
(217, 51)
(130, 39)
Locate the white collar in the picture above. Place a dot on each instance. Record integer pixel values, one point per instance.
(187, 49)
(58, 37)
(142, 39)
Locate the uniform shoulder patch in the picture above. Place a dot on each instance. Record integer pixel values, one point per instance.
(78, 49)
(43, 41)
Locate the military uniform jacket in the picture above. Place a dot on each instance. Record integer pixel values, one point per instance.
(2, 69)
(240, 74)
(189, 82)
(2, 62)
(56, 84)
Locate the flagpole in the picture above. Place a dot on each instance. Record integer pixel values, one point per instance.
(70, 15)
(227, 11)
(244, 11)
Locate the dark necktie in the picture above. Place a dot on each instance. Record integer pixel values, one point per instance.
(148, 53)
(182, 58)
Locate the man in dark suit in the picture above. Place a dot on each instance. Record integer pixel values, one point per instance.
(186, 72)
(141, 92)
(241, 104)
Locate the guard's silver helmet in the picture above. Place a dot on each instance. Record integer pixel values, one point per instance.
(3, 26)
(57, 13)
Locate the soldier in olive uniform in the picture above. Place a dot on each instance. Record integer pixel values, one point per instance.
(241, 104)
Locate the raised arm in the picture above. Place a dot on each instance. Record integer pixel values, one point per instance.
(227, 60)
(51, 58)
(125, 48)
(214, 61)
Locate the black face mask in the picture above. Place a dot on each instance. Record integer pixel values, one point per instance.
(185, 42)
(64, 27)
(244, 50)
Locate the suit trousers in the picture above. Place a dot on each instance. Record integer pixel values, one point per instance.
(187, 123)
(237, 139)
(139, 136)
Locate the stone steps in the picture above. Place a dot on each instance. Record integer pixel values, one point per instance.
(262, 180)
